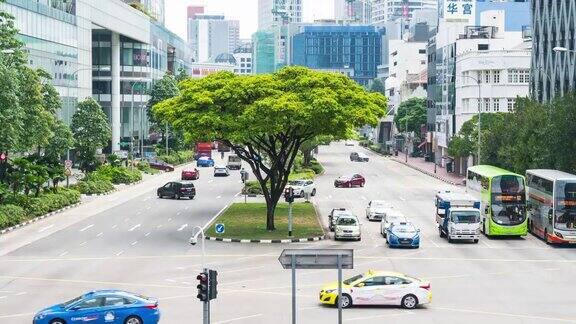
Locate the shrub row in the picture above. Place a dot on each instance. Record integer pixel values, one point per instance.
(93, 187)
(116, 174)
(176, 158)
(144, 166)
(20, 208)
(316, 167)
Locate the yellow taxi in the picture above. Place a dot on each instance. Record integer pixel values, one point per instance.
(379, 288)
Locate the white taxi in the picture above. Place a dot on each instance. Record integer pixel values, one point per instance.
(391, 217)
(347, 227)
(379, 288)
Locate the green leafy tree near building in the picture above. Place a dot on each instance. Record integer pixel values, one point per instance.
(266, 118)
(91, 132)
(377, 86)
(411, 115)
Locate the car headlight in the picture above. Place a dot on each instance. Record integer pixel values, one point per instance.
(40, 316)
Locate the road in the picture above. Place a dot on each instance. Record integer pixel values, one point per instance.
(132, 240)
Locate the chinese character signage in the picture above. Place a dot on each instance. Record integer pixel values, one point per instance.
(459, 10)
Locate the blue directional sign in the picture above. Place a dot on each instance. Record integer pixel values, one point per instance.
(219, 228)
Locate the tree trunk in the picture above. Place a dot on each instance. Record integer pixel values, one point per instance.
(307, 157)
(270, 209)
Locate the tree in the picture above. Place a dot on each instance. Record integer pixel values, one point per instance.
(411, 115)
(181, 75)
(61, 142)
(307, 147)
(562, 133)
(266, 118)
(163, 89)
(91, 132)
(377, 86)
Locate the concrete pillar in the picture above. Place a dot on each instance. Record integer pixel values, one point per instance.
(115, 92)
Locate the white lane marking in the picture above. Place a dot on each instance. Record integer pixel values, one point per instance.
(363, 198)
(180, 268)
(211, 180)
(159, 226)
(126, 219)
(182, 227)
(170, 219)
(433, 243)
(100, 234)
(379, 316)
(134, 227)
(119, 253)
(213, 218)
(45, 228)
(3, 297)
(21, 293)
(138, 213)
(329, 196)
(178, 213)
(170, 280)
(134, 243)
(186, 283)
(239, 181)
(114, 226)
(148, 207)
(83, 243)
(87, 227)
(501, 314)
(244, 269)
(146, 235)
(238, 319)
(485, 243)
(218, 197)
(63, 253)
(402, 198)
(186, 208)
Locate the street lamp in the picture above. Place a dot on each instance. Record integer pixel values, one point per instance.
(479, 108)
(194, 241)
(132, 124)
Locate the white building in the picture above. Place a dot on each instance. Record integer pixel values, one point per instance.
(243, 58)
(271, 11)
(210, 35)
(387, 10)
(358, 11)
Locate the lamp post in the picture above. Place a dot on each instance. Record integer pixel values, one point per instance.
(479, 109)
(406, 140)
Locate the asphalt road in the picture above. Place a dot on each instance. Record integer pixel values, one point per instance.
(131, 240)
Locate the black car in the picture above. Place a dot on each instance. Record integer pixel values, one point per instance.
(353, 156)
(177, 190)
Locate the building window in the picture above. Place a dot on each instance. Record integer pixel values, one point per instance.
(511, 104)
(486, 104)
(483, 47)
(422, 51)
(486, 76)
(242, 59)
(496, 76)
(423, 62)
(496, 104)
(395, 63)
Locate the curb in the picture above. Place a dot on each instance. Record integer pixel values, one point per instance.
(28, 222)
(298, 240)
(431, 174)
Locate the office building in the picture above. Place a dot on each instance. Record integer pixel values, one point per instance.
(272, 13)
(388, 10)
(357, 11)
(351, 50)
(553, 25)
(211, 35)
(154, 8)
(243, 56)
(104, 49)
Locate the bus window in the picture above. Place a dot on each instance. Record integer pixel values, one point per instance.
(508, 200)
(565, 213)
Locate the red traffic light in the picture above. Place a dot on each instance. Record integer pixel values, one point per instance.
(202, 277)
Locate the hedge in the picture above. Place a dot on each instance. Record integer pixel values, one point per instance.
(92, 187)
(144, 166)
(117, 175)
(176, 158)
(316, 167)
(11, 215)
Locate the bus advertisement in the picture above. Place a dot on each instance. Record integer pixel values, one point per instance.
(502, 197)
(552, 205)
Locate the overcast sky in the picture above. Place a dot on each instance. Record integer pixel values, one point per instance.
(244, 10)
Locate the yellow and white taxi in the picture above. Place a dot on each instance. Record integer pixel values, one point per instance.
(379, 288)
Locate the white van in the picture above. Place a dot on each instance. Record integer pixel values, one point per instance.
(234, 162)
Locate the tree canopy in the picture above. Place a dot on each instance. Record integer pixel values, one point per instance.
(91, 132)
(377, 86)
(266, 118)
(411, 115)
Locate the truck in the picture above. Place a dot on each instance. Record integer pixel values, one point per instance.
(234, 162)
(458, 216)
(203, 149)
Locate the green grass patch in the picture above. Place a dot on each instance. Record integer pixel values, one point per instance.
(304, 174)
(248, 221)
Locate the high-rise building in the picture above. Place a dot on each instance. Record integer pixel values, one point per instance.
(113, 56)
(211, 35)
(388, 10)
(271, 12)
(553, 25)
(358, 11)
(350, 50)
(155, 8)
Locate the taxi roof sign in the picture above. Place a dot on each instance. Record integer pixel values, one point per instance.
(317, 258)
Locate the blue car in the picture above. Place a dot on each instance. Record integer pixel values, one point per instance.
(205, 161)
(403, 235)
(102, 306)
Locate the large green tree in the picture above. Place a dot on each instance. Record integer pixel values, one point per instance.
(411, 115)
(91, 132)
(266, 118)
(561, 141)
(377, 86)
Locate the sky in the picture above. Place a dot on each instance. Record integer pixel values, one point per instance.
(244, 10)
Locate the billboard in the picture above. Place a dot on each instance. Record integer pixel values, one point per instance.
(459, 11)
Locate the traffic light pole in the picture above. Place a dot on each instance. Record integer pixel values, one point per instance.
(206, 306)
(290, 219)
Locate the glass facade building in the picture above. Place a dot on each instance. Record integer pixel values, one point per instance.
(353, 50)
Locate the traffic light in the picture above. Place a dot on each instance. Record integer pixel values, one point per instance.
(212, 284)
(202, 286)
(289, 194)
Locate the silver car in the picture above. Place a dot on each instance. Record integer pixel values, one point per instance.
(221, 171)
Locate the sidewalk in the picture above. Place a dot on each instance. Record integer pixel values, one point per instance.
(428, 168)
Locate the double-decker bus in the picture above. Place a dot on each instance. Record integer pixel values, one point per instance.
(502, 196)
(552, 205)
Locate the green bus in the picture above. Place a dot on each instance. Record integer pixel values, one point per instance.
(502, 197)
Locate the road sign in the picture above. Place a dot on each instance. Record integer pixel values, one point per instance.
(317, 258)
(68, 163)
(68, 172)
(219, 228)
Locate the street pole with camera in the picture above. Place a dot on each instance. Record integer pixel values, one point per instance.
(244, 176)
(289, 197)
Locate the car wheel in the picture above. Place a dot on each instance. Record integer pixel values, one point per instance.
(133, 320)
(313, 192)
(177, 196)
(57, 321)
(361, 184)
(159, 196)
(409, 302)
(440, 232)
(346, 301)
(349, 184)
(476, 241)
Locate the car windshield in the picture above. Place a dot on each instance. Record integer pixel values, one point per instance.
(297, 183)
(72, 301)
(508, 200)
(565, 195)
(346, 221)
(187, 185)
(404, 229)
(351, 280)
(378, 204)
(466, 217)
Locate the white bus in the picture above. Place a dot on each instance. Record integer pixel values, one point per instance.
(551, 198)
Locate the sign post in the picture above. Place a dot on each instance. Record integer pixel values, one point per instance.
(317, 259)
(68, 171)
